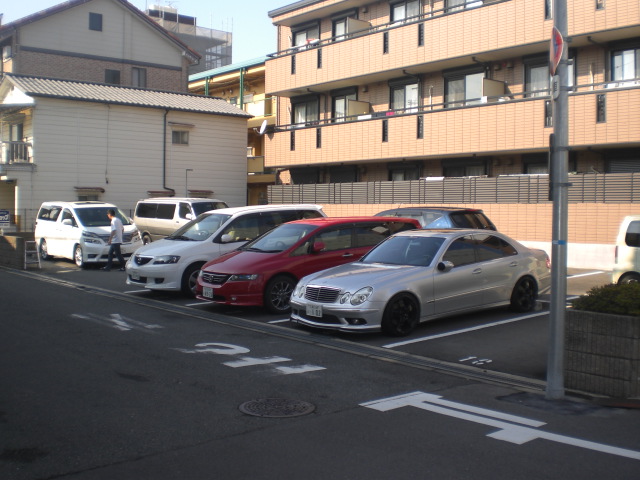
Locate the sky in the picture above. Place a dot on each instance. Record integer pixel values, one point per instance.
(253, 33)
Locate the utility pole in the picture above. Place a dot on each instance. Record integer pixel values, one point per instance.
(559, 185)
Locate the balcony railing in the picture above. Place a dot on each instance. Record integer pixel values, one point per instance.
(528, 189)
(16, 152)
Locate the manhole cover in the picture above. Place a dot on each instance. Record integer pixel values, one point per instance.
(276, 408)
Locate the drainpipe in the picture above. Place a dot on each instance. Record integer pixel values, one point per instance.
(164, 153)
(242, 71)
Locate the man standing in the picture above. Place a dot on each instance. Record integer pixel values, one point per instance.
(115, 240)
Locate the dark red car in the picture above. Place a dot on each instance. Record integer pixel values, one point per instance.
(265, 271)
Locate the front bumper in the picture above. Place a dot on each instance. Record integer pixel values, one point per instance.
(340, 318)
(246, 294)
(154, 277)
(94, 253)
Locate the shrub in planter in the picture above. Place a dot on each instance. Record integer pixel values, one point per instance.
(623, 299)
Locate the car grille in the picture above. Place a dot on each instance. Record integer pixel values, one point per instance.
(126, 238)
(214, 278)
(140, 260)
(322, 294)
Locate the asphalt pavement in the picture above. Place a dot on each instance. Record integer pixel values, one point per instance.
(99, 384)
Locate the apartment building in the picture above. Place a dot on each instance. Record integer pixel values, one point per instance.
(103, 41)
(243, 84)
(407, 102)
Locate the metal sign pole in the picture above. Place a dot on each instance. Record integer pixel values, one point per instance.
(558, 177)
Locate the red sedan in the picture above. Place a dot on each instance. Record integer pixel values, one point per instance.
(265, 271)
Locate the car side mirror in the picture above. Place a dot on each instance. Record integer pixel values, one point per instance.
(317, 247)
(189, 216)
(445, 266)
(67, 221)
(226, 238)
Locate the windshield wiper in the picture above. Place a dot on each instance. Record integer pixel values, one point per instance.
(179, 237)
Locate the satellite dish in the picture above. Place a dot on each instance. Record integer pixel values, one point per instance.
(263, 128)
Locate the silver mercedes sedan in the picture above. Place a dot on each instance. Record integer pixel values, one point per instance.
(420, 275)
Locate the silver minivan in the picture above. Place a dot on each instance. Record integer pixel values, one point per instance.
(158, 218)
(626, 268)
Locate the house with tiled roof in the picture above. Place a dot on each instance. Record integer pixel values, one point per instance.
(94, 141)
(108, 41)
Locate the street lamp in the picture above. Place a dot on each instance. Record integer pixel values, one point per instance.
(186, 181)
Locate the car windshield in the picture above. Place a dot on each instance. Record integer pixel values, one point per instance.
(405, 250)
(200, 228)
(201, 207)
(280, 238)
(97, 216)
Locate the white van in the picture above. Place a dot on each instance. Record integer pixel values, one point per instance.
(627, 260)
(157, 218)
(174, 263)
(79, 231)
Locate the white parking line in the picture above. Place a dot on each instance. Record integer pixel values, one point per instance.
(586, 274)
(282, 320)
(463, 330)
(198, 304)
(137, 291)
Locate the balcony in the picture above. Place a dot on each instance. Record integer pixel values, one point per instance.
(16, 152)
(490, 126)
(487, 33)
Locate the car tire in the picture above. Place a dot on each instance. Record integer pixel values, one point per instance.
(401, 315)
(630, 278)
(44, 252)
(190, 279)
(524, 295)
(146, 239)
(278, 294)
(77, 256)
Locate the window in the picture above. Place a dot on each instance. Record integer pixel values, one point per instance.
(95, 22)
(464, 167)
(463, 87)
(491, 247)
(336, 238)
(340, 101)
(180, 137)
(306, 34)
(461, 251)
(339, 28)
(139, 77)
(632, 237)
(537, 79)
(454, 5)
(343, 174)
(403, 10)
(404, 95)
(112, 77)
(185, 210)
(305, 110)
(625, 63)
(536, 164)
(404, 171)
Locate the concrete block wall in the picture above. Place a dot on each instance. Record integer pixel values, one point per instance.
(602, 354)
(12, 249)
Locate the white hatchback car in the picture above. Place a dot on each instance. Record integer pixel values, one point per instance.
(79, 231)
(174, 262)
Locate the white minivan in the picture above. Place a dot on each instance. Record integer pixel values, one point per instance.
(173, 263)
(79, 231)
(627, 259)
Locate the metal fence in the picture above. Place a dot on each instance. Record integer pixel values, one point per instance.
(530, 189)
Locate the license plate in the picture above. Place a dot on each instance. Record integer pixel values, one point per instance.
(207, 292)
(314, 310)
(135, 276)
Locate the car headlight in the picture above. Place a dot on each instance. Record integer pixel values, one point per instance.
(166, 259)
(243, 277)
(300, 290)
(135, 236)
(361, 296)
(89, 237)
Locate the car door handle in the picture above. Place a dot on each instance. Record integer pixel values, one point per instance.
(477, 271)
(347, 255)
(513, 264)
